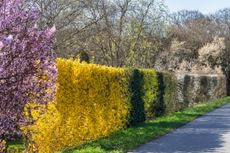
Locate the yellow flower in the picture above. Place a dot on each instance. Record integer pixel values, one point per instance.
(90, 103)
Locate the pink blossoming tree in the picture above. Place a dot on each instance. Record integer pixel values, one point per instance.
(26, 58)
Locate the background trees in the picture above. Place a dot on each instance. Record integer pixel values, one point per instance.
(137, 33)
(130, 32)
(117, 32)
(192, 33)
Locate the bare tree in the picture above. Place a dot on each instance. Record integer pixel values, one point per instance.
(192, 27)
(71, 17)
(113, 32)
(131, 32)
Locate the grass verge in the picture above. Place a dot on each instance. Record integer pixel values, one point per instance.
(15, 147)
(128, 139)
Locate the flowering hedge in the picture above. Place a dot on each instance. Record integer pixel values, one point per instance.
(90, 103)
(94, 101)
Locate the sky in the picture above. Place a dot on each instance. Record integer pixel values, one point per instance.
(204, 6)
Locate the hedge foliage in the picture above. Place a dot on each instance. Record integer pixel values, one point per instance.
(91, 102)
(143, 88)
(44, 131)
(94, 101)
(168, 93)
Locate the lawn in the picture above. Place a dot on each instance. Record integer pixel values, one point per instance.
(128, 139)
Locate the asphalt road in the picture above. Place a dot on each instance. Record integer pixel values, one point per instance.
(207, 134)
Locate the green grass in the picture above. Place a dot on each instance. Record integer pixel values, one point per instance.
(125, 140)
(128, 139)
(15, 147)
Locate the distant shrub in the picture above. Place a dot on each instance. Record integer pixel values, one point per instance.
(168, 93)
(198, 88)
(143, 88)
(84, 57)
(137, 112)
(150, 90)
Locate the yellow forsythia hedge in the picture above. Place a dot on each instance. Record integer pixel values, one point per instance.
(43, 133)
(90, 103)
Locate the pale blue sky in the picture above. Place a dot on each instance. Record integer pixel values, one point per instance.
(204, 6)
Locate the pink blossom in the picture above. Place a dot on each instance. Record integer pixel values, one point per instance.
(1, 45)
(9, 38)
(19, 66)
(52, 30)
